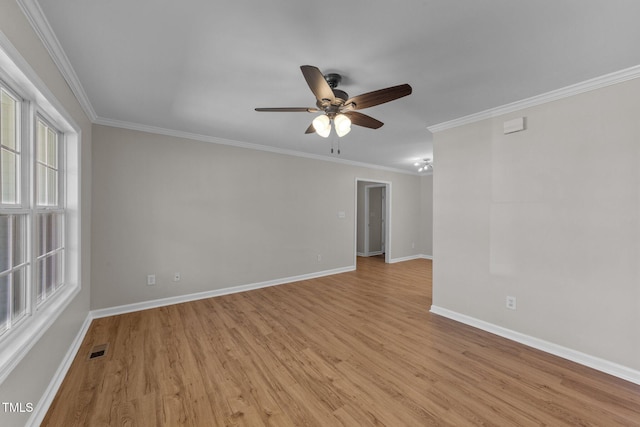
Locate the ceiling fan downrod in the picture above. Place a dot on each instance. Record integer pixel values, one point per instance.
(333, 79)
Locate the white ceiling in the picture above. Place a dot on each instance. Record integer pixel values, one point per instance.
(202, 66)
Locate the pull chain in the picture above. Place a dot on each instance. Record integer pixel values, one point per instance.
(335, 145)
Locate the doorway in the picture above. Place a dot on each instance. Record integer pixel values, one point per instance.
(374, 214)
(373, 231)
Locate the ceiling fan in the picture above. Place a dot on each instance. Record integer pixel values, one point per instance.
(336, 105)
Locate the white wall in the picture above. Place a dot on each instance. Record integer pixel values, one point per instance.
(223, 216)
(426, 216)
(551, 216)
(29, 380)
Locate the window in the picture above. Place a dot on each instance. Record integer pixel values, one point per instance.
(29, 277)
(40, 218)
(33, 216)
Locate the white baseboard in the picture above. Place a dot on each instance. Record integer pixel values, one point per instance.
(409, 258)
(597, 363)
(145, 305)
(42, 407)
(394, 260)
(402, 259)
(362, 254)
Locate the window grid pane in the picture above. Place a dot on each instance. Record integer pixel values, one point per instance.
(41, 281)
(50, 276)
(4, 302)
(6, 240)
(52, 187)
(19, 250)
(19, 297)
(13, 269)
(8, 121)
(9, 166)
(50, 254)
(13, 241)
(52, 148)
(9, 150)
(13, 298)
(41, 143)
(41, 182)
(49, 232)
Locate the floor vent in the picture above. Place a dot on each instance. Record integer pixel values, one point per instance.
(98, 351)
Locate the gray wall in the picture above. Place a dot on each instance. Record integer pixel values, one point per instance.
(426, 223)
(29, 380)
(223, 216)
(551, 216)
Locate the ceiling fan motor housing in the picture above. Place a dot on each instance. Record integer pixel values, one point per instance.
(340, 95)
(333, 107)
(333, 79)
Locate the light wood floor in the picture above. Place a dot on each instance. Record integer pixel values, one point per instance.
(353, 349)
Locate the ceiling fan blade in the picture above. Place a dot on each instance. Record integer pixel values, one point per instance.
(363, 120)
(310, 129)
(317, 83)
(378, 97)
(289, 110)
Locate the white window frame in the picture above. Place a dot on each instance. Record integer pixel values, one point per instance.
(37, 100)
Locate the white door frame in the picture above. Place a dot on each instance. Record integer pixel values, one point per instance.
(367, 217)
(387, 214)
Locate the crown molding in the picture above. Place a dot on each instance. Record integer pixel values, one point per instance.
(216, 140)
(39, 22)
(578, 88)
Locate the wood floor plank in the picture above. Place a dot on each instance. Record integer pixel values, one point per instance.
(353, 349)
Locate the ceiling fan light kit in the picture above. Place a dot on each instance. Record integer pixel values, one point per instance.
(322, 125)
(424, 165)
(342, 124)
(336, 105)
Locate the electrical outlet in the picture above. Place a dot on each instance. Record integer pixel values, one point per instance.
(319, 257)
(511, 303)
(151, 279)
(176, 277)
